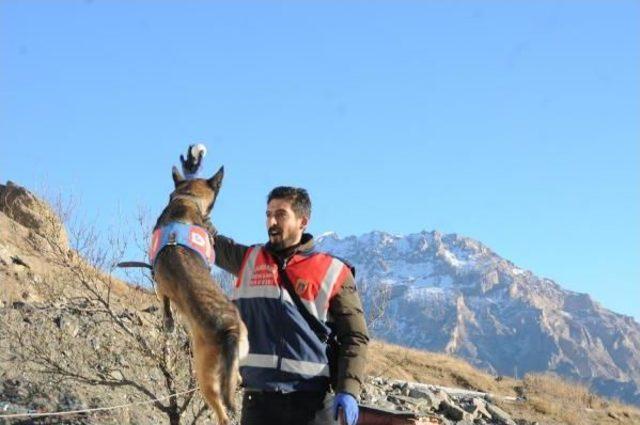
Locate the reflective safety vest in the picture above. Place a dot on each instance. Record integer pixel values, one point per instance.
(284, 352)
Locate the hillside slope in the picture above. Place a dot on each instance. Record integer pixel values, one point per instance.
(72, 336)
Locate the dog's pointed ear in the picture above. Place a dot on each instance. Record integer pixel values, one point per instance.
(177, 177)
(216, 181)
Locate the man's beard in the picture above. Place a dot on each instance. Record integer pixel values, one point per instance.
(277, 243)
(276, 238)
(280, 242)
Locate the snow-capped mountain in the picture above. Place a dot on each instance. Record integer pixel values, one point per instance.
(444, 292)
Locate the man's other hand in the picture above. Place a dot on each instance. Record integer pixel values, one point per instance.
(347, 404)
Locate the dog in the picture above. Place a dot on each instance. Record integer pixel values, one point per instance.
(181, 269)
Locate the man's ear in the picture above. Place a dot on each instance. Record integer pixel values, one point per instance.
(216, 181)
(304, 222)
(177, 177)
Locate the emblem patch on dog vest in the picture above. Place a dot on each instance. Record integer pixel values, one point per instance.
(197, 239)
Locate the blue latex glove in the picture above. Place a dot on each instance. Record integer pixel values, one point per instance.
(349, 406)
(191, 165)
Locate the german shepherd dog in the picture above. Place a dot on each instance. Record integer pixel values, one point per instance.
(218, 335)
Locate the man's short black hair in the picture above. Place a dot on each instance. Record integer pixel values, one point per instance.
(299, 198)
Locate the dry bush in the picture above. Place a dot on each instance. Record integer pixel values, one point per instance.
(556, 398)
(93, 339)
(560, 389)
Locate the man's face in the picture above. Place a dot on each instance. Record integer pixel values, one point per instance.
(284, 227)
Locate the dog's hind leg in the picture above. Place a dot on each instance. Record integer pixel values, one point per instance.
(169, 323)
(206, 359)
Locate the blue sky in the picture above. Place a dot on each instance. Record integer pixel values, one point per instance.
(515, 123)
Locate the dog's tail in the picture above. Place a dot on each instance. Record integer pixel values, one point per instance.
(229, 375)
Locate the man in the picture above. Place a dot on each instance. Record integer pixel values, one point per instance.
(286, 375)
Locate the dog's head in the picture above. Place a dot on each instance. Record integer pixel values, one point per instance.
(192, 200)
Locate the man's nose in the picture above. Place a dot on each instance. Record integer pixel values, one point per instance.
(271, 221)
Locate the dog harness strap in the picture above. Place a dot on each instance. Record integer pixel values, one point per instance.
(193, 237)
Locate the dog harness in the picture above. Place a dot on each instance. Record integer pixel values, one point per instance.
(285, 354)
(190, 236)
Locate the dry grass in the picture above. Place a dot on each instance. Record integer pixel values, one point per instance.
(572, 403)
(549, 398)
(398, 362)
